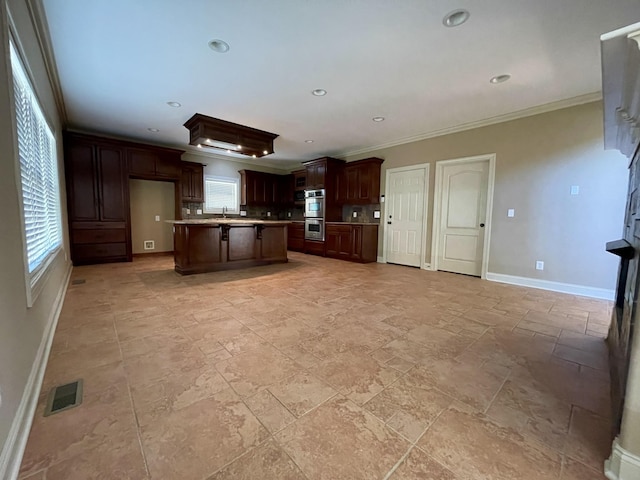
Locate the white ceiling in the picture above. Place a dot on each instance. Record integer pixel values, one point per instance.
(120, 61)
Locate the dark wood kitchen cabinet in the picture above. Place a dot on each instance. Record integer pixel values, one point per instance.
(154, 163)
(262, 189)
(295, 236)
(322, 172)
(353, 242)
(192, 182)
(359, 182)
(97, 200)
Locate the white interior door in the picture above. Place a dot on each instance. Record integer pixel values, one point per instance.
(463, 203)
(405, 216)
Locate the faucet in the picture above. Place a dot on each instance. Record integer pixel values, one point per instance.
(224, 211)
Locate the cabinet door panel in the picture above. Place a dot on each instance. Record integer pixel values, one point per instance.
(114, 203)
(82, 183)
(167, 167)
(356, 243)
(197, 184)
(142, 162)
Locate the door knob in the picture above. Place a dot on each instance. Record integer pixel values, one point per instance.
(481, 225)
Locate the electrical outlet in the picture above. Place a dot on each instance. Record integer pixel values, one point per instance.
(199, 211)
(539, 265)
(243, 213)
(268, 214)
(149, 245)
(376, 214)
(188, 211)
(575, 189)
(511, 212)
(355, 214)
(157, 218)
(289, 214)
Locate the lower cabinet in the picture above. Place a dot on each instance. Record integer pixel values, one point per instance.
(99, 242)
(295, 236)
(353, 242)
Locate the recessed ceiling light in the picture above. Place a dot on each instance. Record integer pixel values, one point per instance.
(455, 18)
(154, 130)
(219, 46)
(174, 104)
(378, 119)
(319, 92)
(308, 141)
(500, 78)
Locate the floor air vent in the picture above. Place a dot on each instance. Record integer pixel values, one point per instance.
(78, 282)
(64, 397)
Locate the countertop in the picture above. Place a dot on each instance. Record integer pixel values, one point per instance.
(227, 221)
(352, 223)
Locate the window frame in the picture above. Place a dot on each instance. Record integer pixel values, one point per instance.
(235, 209)
(35, 280)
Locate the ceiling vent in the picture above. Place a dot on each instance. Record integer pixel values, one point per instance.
(215, 133)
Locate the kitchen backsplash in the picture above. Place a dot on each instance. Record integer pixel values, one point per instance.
(295, 213)
(364, 213)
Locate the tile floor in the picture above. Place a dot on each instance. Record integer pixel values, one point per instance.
(322, 369)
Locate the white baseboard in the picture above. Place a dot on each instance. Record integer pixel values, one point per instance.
(621, 465)
(381, 260)
(16, 441)
(573, 289)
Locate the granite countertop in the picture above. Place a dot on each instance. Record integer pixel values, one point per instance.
(227, 221)
(352, 223)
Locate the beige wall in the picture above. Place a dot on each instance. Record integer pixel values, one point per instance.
(22, 329)
(227, 168)
(538, 159)
(148, 199)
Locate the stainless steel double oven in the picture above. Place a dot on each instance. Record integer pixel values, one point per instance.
(314, 203)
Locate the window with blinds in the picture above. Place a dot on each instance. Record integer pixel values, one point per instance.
(220, 192)
(38, 173)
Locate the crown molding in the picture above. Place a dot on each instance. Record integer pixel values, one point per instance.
(527, 112)
(41, 27)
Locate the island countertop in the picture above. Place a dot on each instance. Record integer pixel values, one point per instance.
(227, 221)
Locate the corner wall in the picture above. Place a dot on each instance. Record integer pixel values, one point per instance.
(538, 159)
(24, 332)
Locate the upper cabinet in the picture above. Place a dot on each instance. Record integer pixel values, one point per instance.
(97, 185)
(154, 163)
(192, 182)
(621, 88)
(322, 172)
(263, 189)
(359, 182)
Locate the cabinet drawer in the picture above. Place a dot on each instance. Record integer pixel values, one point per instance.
(338, 228)
(105, 235)
(99, 250)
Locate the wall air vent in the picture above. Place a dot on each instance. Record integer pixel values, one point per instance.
(212, 132)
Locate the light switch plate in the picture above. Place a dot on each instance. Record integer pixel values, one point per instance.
(511, 212)
(575, 189)
(376, 214)
(539, 265)
(199, 211)
(157, 218)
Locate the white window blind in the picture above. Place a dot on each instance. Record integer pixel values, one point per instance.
(220, 192)
(38, 172)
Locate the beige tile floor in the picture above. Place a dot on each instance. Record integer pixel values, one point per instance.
(322, 369)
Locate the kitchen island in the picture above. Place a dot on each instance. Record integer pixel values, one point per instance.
(222, 244)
